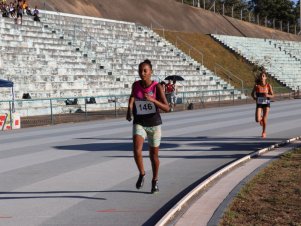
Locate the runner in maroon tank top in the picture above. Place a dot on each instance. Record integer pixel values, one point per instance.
(262, 92)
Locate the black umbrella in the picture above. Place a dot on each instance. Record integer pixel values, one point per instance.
(174, 78)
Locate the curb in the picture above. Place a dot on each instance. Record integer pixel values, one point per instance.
(170, 214)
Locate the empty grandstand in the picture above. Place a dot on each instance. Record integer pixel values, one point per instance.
(281, 59)
(67, 59)
(70, 56)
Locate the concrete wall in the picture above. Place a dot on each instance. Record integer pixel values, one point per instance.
(169, 14)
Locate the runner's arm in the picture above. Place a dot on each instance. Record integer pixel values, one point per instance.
(161, 102)
(253, 93)
(130, 107)
(271, 92)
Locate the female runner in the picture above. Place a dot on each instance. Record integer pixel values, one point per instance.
(146, 99)
(262, 92)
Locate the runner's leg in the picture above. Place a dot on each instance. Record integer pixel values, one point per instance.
(266, 111)
(154, 157)
(258, 114)
(154, 139)
(138, 144)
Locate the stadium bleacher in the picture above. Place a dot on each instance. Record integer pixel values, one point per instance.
(68, 55)
(280, 58)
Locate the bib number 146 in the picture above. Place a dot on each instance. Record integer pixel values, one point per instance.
(145, 107)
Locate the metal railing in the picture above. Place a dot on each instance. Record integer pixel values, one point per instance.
(229, 74)
(157, 23)
(246, 15)
(50, 111)
(87, 35)
(190, 48)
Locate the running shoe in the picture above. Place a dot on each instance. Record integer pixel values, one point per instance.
(140, 181)
(155, 187)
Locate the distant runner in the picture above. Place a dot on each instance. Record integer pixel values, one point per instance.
(146, 99)
(262, 92)
(169, 89)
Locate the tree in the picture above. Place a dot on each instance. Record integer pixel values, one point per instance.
(297, 11)
(282, 10)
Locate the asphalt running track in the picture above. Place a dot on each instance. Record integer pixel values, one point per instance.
(84, 174)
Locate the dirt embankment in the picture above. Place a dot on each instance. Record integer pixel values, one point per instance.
(167, 14)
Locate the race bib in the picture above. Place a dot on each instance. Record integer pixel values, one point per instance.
(262, 100)
(145, 107)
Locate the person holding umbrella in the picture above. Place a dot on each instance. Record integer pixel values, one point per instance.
(171, 90)
(146, 99)
(171, 94)
(168, 92)
(174, 95)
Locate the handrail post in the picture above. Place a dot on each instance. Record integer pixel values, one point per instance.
(158, 24)
(90, 42)
(51, 112)
(86, 113)
(183, 100)
(115, 102)
(74, 33)
(203, 98)
(202, 59)
(10, 116)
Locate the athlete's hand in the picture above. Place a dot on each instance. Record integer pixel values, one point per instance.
(149, 98)
(129, 116)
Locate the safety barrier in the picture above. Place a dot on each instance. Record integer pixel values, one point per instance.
(10, 121)
(38, 112)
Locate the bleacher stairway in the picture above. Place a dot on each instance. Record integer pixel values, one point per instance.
(68, 55)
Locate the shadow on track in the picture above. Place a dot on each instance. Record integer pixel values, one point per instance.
(108, 147)
(59, 194)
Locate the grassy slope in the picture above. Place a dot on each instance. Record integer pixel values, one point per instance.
(273, 197)
(214, 53)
